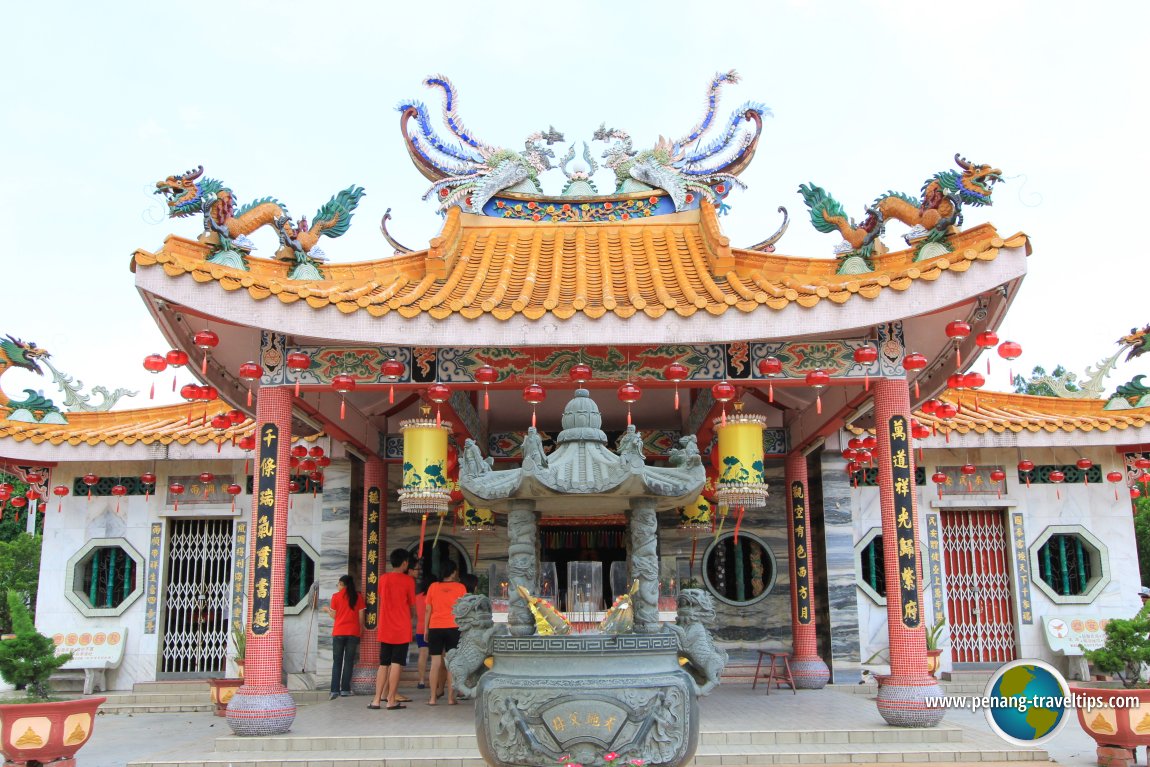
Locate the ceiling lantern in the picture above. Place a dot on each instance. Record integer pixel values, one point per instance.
(533, 394)
(957, 330)
(299, 362)
(91, 480)
(1114, 478)
(987, 339)
(205, 340)
(176, 359)
(997, 475)
(392, 370)
(1084, 465)
(343, 383)
(677, 372)
(1009, 350)
(771, 367)
(1026, 467)
(1057, 478)
(696, 515)
(250, 372)
(580, 373)
(818, 379)
(155, 364)
(939, 479)
(723, 392)
(425, 489)
(486, 375)
(438, 393)
(177, 490)
(61, 490)
(916, 362)
(148, 480)
(628, 394)
(741, 482)
(866, 356)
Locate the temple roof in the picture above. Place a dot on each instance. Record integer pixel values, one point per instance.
(479, 265)
(998, 412)
(158, 425)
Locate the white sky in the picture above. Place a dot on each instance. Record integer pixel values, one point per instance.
(296, 100)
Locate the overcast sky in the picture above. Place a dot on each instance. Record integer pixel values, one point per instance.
(296, 100)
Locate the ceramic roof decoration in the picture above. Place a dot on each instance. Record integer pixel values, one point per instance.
(997, 412)
(484, 179)
(156, 425)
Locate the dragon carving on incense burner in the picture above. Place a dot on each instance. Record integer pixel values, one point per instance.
(191, 192)
(683, 168)
(471, 172)
(938, 209)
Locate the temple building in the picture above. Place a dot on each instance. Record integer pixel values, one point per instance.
(861, 488)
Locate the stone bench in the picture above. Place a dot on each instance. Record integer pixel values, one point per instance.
(93, 652)
(1071, 635)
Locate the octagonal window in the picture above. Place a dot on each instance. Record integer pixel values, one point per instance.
(739, 573)
(1071, 564)
(299, 575)
(104, 577)
(871, 566)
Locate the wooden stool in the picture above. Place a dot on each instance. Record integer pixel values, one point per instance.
(778, 671)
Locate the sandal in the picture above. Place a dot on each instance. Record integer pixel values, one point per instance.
(393, 708)
(373, 707)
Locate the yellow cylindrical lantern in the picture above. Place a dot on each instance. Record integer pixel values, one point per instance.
(477, 520)
(696, 515)
(425, 487)
(741, 481)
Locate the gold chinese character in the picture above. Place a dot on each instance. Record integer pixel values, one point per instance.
(263, 556)
(373, 497)
(799, 512)
(557, 724)
(803, 592)
(898, 460)
(593, 719)
(907, 578)
(934, 534)
(902, 485)
(905, 547)
(373, 537)
(268, 467)
(264, 527)
(574, 717)
(260, 618)
(267, 498)
(371, 598)
(910, 611)
(609, 722)
(802, 571)
(800, 531)
(898, 429)
(372, 578)
(800, 551)
(262, 588)
(903, 519)
(269, 436)
(372, 556)
(373, 517)
(370, 620)
(804, 613)
(797, 490)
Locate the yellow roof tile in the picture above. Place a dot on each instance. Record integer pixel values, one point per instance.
(982, 412)
(161, 425)
(479, 265)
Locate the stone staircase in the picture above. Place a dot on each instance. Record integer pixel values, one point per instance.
(178, 697)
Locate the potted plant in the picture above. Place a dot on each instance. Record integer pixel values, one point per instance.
(1125, 654)
(38, 728)
(225, 687)
(933, 647)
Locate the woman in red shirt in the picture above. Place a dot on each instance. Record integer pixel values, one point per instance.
(442, 632)
(346, 607)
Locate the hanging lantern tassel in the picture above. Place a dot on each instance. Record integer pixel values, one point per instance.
(770, 391)
(676, 395)
(486, 399)
(438, 528)
(819, 403)
(343, 408)
(422, 533)
(738, 523)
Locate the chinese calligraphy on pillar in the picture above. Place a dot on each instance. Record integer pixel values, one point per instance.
(934, 552)
(152, 590)
(265, 529)
(1022, 566)
(371, 591)
(801, 554)
(239, 572)
(902, 485)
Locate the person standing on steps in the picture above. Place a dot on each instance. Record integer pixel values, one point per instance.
(423, 579)
(346, 606)
(396, 611)
(442, 631)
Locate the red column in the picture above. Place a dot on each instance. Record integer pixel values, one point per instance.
(901, 696)
(808, 669)
(374, 480)
(263, 706)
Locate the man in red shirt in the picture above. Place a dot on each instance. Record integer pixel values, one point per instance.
(396, 611)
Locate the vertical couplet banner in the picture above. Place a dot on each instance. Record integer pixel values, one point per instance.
(902, 485)
(801, 554)
(1022, 567)
(371, 591)
(265, 529)
(153, 587)
(934, 549)
(239, 572)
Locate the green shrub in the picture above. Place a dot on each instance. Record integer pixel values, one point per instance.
(29, 659)
(1127, 649)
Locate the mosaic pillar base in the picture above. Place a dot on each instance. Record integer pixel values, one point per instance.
(902, 702)
(810, 673)
(264, 712)
(363, 680)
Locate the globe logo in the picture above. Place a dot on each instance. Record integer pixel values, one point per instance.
(1026, 702)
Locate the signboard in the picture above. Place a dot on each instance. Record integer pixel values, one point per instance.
(1021, 567)
(90, 649)
(265, 529)
(902, 483)
(199, 493)
(1068, 634)
(978, 483)
(152, 586)
(372, 589)
(802, 556)
(934, 563)
(239, 572)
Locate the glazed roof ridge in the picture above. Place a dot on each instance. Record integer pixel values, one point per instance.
(163, 424)
(479, 265)
(982, 412)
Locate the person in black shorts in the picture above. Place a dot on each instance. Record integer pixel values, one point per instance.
(442, 632)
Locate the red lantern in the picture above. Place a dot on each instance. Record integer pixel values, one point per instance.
(723, 392)
(293, 486)
(996, 476)
(438, 393)
(957, 330)
(176, 359)
(5, 491)
(299, 362)
(233, 490)
(533, 394)
(315, 451)
(629, 394)
(19, 502)
(251, 371)
(220, 421)
(1026, 467)
(855, 442)
(818, 378)
(771, 367)
(968, 470)
(1143, 478)
(177, 490)
(486, 375)
(90, 480)
(853, 469)
(119, 491)
(1009, 350)
(849, 454)
(1114, 478)
(343, 383)
(864, 456)
(392, 370)
(1084, 465)
(154, 364)
(677, 372)
(299, 451)
(294, 463)
(870, 442)
(946, 411)
(1057, 477)
(207, 477)
(205, 340)
(307, 465)
(974, 381)
(916, 362)
(148, 480)
(1142, 463)
(987, 339)
(1134, 493)
(323, 462)
(939, 479)
(956, 381)
(580, 372)
(236, 417)
(930, 407)
(866, 356)
(60, 491)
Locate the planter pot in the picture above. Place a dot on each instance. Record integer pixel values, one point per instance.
(222, 692)
(1125, 727)
(46, 732)
(933, 662)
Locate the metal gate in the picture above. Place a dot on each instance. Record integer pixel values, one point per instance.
(978, 600)
(197, 598)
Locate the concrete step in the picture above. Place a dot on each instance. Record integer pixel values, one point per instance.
(182, 686)
(178, 702)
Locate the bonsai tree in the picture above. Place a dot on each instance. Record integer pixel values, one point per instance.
(1127, 649)
(29, 659)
